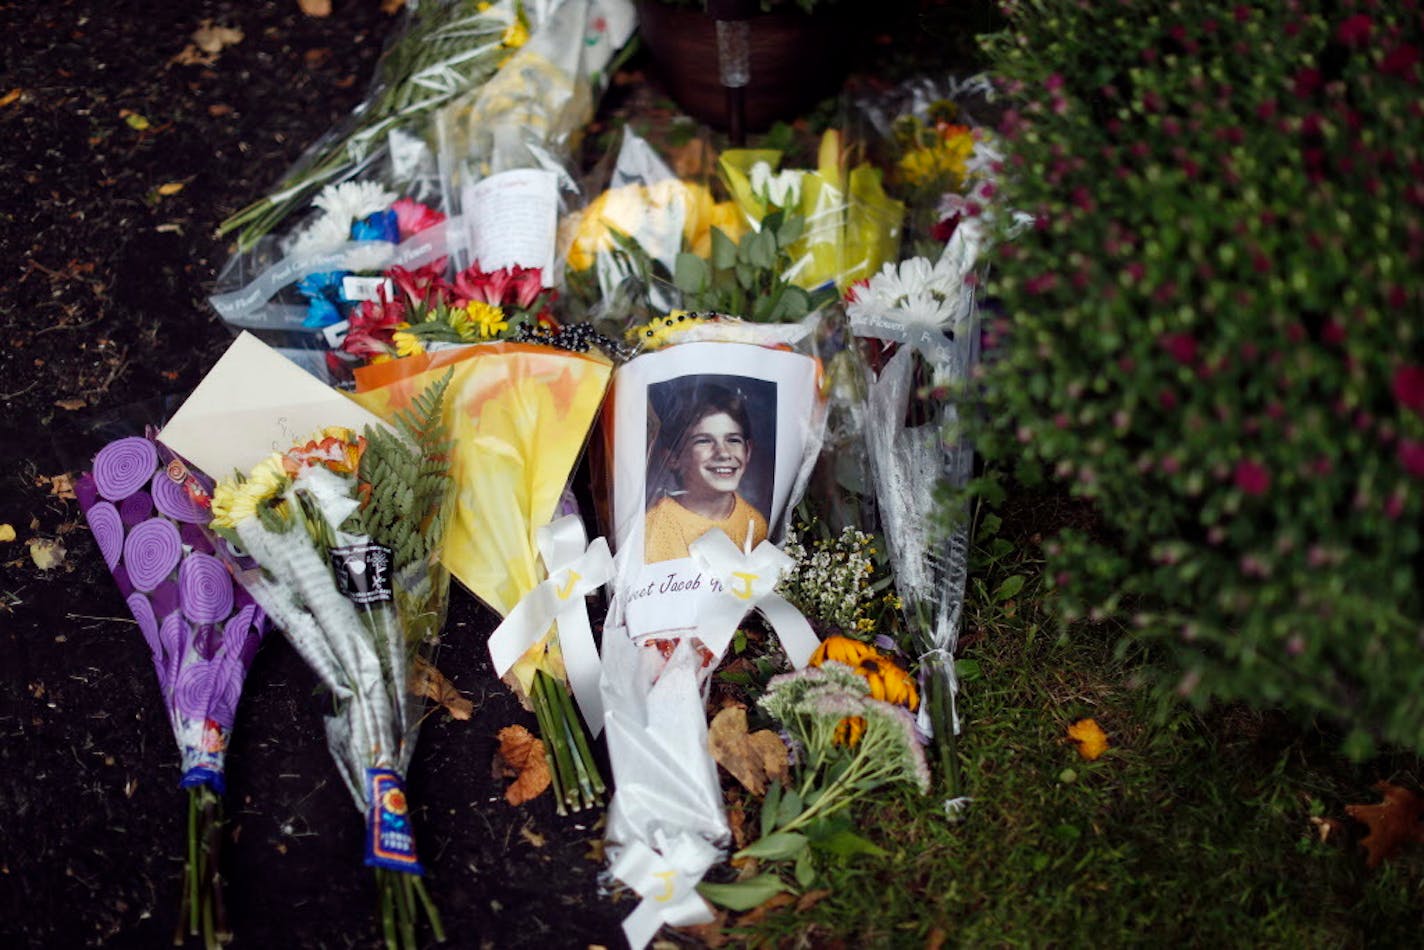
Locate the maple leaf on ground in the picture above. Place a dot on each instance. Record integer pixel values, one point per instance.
(752, 758)
(1392, 823)
(1092, 741)
(521, 756)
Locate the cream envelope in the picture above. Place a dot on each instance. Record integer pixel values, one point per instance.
(254, 402)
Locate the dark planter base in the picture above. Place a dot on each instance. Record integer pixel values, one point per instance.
(796, 61)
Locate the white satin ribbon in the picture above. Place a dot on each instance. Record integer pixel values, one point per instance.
(748, 582)
(668, 885)
(575, 570)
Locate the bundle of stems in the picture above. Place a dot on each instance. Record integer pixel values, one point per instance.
(445, 49)
(577, 784)
(202, 907)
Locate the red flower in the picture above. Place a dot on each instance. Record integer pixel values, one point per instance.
(1408, 387)
(1182, 347)
(1306, 82)
(1411, 456)
(412, 217)
(424, 285)
(1354, 31)
(509, 286)
(1400, 61)
(1251, 477)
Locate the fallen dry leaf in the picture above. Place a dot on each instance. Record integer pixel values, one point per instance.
(7, 532)
(207, 42)
(390, 7)
(427, 681)
(1092, 741)
(752, 759)
(70, 404)
(1392, 823)
(773, 903)
(47, 554)
(315, 8)
(214, 39)
(170, 188)
(135, 121)
(60, 486)
(811, 898)
(10, 97)
(535, 839)
(521, 756)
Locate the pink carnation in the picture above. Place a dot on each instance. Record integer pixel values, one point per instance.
(412, 217)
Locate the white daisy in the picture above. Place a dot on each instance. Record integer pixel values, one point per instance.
(353, 200)
(324, 234)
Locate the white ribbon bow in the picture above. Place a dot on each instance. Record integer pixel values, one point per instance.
(668, 885)
(748, 582)
(576, 569)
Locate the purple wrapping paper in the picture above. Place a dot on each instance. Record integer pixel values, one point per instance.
(144, 507)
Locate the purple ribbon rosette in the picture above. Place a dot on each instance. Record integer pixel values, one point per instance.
(148, 512)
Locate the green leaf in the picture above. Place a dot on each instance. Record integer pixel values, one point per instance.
(690, 273)
(769, 807)
(724, 252)
(966, 670)
(760, 250)
(805, 869)
(789, 807)
(743, 895)
(777, 846)
(1011, 586)
(845, 843)
(791, 229)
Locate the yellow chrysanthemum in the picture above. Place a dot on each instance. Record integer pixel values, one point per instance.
(486, 319)
(407, 344)
(943, 162)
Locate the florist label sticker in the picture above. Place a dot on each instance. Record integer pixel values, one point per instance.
(362, 572)
(511, 219)
(390, 839)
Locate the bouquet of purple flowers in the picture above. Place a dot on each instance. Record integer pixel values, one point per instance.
(148, 512)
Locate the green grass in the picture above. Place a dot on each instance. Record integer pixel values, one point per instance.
(1193, 828)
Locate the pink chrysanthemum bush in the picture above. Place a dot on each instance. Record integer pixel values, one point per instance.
(1215, 330)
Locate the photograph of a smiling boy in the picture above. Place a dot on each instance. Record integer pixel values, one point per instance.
(710, 463)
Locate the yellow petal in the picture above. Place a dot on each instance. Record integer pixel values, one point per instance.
(1092, 741)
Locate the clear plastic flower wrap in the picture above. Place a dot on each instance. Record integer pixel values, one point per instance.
(620, 251)
(917, 322)
(366, 197)
(504, 149)
(932, 135)
(149, 512)
(848, 225)
(346, 531)
(709, 441)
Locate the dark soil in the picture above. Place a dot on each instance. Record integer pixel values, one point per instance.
(105, 328)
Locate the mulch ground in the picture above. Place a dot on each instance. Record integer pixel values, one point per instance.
(107, 267)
